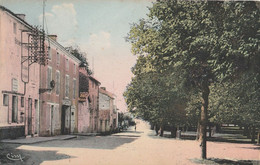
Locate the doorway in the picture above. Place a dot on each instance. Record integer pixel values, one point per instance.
(29, 128)
(14, 109)
(36, 126)
(52, 120)
(65, 119)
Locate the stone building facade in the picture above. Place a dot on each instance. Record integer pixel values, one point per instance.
(58, 91)
(107, 111)
(94, 103)
(19, 94)
(84, 102)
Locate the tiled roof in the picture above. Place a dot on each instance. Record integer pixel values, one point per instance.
(105, 92)
(94, 79)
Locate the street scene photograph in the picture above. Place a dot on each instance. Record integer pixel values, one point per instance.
(129, 82)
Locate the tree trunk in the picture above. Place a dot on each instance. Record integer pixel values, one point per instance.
(249, 133)
(173, 132)
(156, 129)
(198, 131)
(161, 131)
(218, 128)
(245, 133)
(258, 137)
(204, 119)
(210, 131)
(253, 135)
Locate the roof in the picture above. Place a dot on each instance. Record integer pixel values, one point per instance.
(105, 92)
(49, 38)
(13, 14)
(94, 79)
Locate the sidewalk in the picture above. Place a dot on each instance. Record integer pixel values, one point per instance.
(87, 134)
(33, 140)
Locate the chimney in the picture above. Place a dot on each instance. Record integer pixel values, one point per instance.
(104, 88)
(22, 16)
(53, 36)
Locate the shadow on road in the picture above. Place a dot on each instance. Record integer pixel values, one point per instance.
(99, 142)
(229, 138)
(137, 132)
(225, 161)
(253, 148)
(10, 155)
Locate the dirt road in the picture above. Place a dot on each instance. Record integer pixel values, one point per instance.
(138, 147)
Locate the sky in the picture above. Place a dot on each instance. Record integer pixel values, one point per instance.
(98, 27)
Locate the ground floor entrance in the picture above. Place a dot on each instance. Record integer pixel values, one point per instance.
(65, 119)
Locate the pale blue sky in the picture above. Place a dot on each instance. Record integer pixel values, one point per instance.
(98, 27)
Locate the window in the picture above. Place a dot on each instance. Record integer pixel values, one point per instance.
(5, 100)
(14, 28)
(49, 77)
(67, 81)
(57, 82)
(67, 64)
(74, 68)
(22, 101)
(49, 53)
(58, 58)
(74, 88)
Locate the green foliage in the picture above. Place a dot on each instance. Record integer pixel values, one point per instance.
(151, 96)
(237, 101)
(75, 51)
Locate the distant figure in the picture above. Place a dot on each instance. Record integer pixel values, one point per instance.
(135, 127)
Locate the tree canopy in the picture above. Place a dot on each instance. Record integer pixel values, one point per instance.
(75, 51)
(197, 44)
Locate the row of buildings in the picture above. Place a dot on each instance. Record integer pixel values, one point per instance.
(44, 89)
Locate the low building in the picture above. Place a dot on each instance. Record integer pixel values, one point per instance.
(94, 103)
(84, 101)
(107, 111)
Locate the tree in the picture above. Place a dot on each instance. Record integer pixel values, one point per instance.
(238, 101)
(75, 51)
(151, 97)
(202, 43)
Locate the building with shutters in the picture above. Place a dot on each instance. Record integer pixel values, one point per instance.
(84, 102)
(19, 72)
(94, 103)
(107, 111)
(58, 90)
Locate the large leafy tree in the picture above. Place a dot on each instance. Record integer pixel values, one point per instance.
(151, 96)
(237, 101)
(200, 42)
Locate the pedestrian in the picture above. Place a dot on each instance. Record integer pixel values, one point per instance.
(135, 127)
